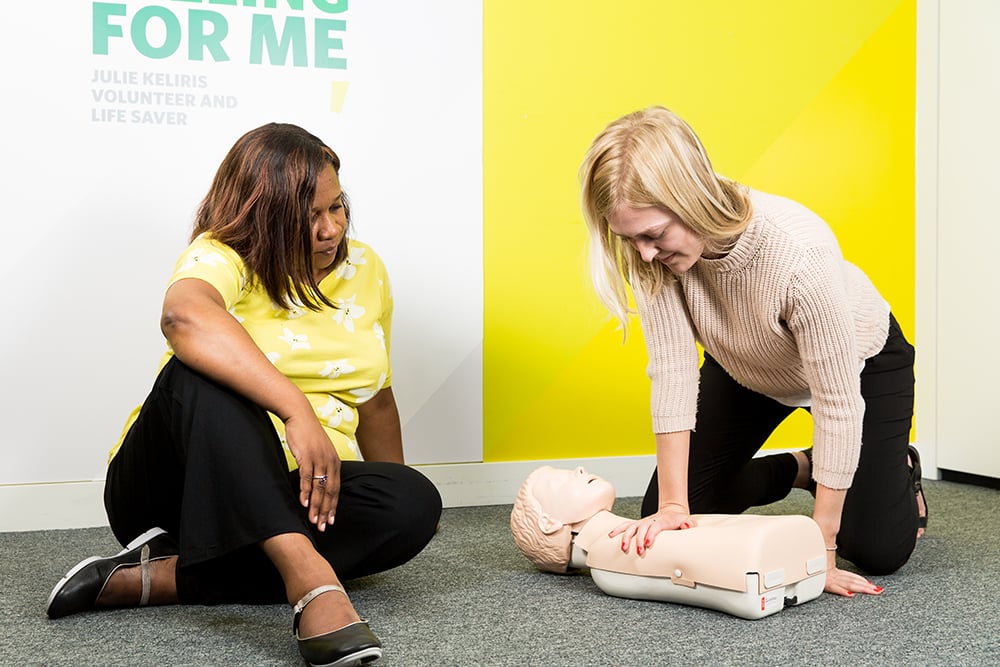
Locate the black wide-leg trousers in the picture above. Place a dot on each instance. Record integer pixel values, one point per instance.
(879, 524)
(205, 464)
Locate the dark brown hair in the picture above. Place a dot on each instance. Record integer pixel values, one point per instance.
(259, 206)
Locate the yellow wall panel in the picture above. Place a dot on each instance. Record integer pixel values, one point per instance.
(815, 102)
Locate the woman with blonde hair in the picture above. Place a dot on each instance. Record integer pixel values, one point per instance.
(785, 322)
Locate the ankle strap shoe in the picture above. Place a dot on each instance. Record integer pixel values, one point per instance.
(351, 645)
(79, 589)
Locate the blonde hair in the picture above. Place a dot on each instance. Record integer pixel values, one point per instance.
(652, 158)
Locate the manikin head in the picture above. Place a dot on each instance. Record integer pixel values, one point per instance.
(551, 502)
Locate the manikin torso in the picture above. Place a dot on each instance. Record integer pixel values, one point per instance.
(725, 562)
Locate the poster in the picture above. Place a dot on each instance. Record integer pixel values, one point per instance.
(117, 115)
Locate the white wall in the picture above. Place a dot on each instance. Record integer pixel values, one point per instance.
(99, 190)
(958, 232)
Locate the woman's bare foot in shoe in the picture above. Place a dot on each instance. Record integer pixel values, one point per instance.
(804, 475)
(921, 505)
(921, 512)
(303, 570)
(326, 613)
(921, 501)
(124, 587)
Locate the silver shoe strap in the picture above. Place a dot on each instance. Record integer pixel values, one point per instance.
(313, 594)
(146, 583)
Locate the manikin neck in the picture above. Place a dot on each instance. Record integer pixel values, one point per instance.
(585, 532)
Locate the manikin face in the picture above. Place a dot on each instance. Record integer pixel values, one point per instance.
(658, 235)
(328, 222)
(571, 495)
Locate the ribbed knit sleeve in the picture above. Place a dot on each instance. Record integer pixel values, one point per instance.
(673, 359)
(821, 321)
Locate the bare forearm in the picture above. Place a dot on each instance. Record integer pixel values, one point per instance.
(207, 338)
(827, 512)
(672, 469)
(379, 433)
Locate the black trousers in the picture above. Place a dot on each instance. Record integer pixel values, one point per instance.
(879, 524)
(205, 464)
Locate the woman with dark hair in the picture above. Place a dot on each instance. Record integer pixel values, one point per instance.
(272, 415)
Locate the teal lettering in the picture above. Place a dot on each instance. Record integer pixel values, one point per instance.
(268, 4)
(328, 6)
(264, 38)
(335, 7)
(326, 43)
(201, 41)
(103, 30)
(172, 39)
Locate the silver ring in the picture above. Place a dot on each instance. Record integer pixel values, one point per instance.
(322, 479)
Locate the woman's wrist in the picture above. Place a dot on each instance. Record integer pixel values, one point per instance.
(682, 506)
(295, 405)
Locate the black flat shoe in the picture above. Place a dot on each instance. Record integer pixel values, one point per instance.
(811, 486)
(79, 589)
(353, 644)
(916, 474)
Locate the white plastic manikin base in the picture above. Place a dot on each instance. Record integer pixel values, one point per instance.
(749, 604)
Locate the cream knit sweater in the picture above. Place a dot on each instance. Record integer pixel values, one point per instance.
(786, 316)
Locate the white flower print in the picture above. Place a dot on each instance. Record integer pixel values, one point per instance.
(201, 256)
(365, 393)
(273, 357)
(379, 333)
(334, 369)
(348, 268)
(335, 413)
(232, 311)
(296, 341)
(347, 311)
(294, 311)
(353, 444)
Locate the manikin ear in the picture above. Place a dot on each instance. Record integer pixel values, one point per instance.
(547, 524)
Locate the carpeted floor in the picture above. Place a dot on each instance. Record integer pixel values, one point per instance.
(471, 599)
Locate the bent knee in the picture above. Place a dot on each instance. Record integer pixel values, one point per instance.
(878, 561)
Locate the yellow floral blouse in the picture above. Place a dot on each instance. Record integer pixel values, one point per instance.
(339, 357)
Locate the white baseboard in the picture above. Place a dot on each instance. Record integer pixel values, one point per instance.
(63, 505)
(58, 505)
(469, 484)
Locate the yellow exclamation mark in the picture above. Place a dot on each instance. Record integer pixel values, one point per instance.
(338, 91)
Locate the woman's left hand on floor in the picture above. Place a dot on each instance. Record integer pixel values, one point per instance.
(843, 582)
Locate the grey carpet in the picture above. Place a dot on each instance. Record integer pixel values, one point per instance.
(471, 599)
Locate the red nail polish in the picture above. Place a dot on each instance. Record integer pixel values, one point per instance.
(850, 594)
(647, 542)
(879, 589)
